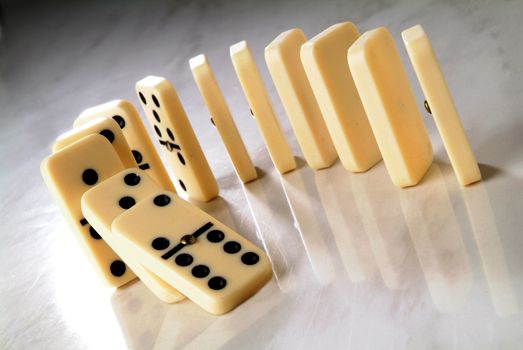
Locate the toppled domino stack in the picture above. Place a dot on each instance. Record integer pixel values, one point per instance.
(346, 96)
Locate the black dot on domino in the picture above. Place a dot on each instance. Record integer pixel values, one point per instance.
(250, 258)
(126, 202)
(232, 247)
(158, 132)
(156, 116)
(94, 234)
(160, 243)
(156, 102)
(215, 236)
(217, 283)
(181, 158)
(162, 200)
(118, 268)
(119, 120)
(142, 97)
(137, 156)
(90, 177)
(184, 259)
(170, 134)
(108, 135)
(182, 185)
(200, 271)
(131, 179)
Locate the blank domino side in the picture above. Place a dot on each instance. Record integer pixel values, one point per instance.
(387, 96)
(441, 104)
(69, 173)
(105, 127)
(221, 118)
(282, 56)
(165, 112)
(142, 148)
(106, 201)
(258, 99)
(205, 260)
(324, 58)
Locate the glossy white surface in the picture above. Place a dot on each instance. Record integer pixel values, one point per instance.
(358, 263)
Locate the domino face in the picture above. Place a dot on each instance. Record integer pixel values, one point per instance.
(441, 104)
(256, 94)
(106, 201)
(283, 60)
(176, 136)
(221, 117)
(324, 58)
(205, 260)
(105, 127)
(69, 173)
(391, 106)
(133, 129)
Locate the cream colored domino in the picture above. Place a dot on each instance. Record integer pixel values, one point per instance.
(441, 104)
(205, 260)
(165, 112)
(142, 148)
(282, 56)
(221, 117)
(324, 58)
(69, 173)
(103, 126)
(391, 106)
(106, 201)
(256, 94)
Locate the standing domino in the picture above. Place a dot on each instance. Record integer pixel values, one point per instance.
(324, 58)
(105, 202)
(254, 89)
(205, 260)
(441, 104)
(282, 56)
(221, 117)
(105, 127)
(69, 173)
(391, 106)
(182, 149)
(142, 148)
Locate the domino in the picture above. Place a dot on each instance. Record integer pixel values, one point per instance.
(324, 59)
(282, 56)
(69, 173)
(105, 127)
(256, 94)
(106, 201)
(206, 261)
(387, 96)
(222, 119)
(133, 129)
(442, 108)
(165, 112)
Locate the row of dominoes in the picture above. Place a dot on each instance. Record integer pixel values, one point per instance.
(335, 86)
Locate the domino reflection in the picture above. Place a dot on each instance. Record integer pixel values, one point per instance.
(310, 220)
(378, 204)
(437, 239)
(140, 314)
(271, 215)
(487, 237)
(192, 329)
(345, 223)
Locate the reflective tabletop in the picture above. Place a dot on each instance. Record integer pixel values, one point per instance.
(358, 263)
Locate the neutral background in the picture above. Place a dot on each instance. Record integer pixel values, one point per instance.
(358, 263)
